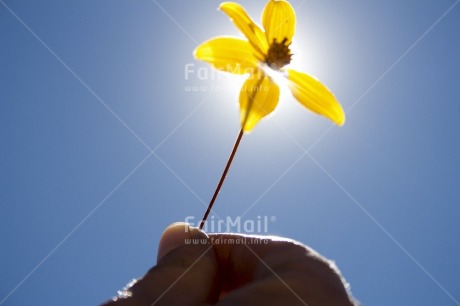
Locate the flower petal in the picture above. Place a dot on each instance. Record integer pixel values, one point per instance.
(247, 26)
(278, 19)
(258, 98)
(312, 94)
(229, 54)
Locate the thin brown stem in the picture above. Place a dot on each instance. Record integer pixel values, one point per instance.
(222, 178)
(251, 99)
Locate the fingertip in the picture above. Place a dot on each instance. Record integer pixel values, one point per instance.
(176, 235)
(173, 237)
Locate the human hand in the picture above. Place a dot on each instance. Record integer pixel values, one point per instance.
(195, 268)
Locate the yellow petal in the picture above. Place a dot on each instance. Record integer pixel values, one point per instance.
(312, 94)
(229, 54)
(278, 19)
(247, 26)
(258, 98)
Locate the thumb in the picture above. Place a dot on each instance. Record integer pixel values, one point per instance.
(177, 235)
(185, 274)
(186, 270)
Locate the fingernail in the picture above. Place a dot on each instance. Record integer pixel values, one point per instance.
(174, 236)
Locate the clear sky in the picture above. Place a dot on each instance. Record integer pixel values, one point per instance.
(105, 141)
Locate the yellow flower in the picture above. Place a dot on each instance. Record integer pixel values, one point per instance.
(263, 51)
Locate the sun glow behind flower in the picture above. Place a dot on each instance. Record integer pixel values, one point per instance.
(267, 46)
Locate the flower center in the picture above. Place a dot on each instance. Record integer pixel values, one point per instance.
(279, 54)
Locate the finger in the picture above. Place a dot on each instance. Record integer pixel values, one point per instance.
(278, 271)
(173, 237)
(185, 274)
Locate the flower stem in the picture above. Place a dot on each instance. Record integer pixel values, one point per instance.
(222, 178)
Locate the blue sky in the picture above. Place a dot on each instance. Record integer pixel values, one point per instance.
(103, 146)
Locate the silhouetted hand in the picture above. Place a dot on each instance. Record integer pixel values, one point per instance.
(194, 268)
